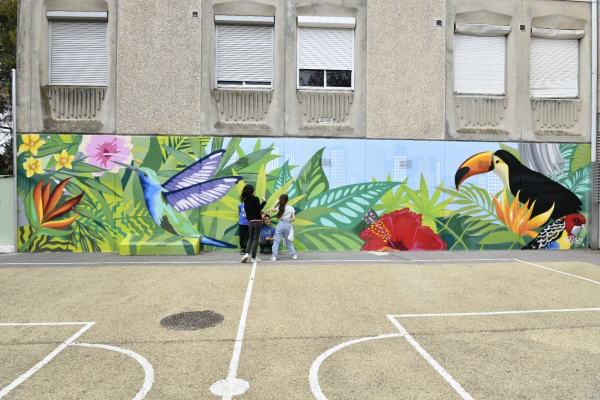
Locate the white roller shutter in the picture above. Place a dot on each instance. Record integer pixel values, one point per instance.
(554, 68)
(78, 53)
(326, 48)
(479, 64)
(244, 53)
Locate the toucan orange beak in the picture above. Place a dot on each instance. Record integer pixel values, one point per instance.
(477, 164)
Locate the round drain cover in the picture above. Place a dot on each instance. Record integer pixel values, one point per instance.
(192, 320)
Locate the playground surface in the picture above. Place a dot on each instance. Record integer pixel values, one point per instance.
(497, 325)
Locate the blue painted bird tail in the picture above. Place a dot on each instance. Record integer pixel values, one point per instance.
(217, 243)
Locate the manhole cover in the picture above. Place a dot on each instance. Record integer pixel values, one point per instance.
(192, 320)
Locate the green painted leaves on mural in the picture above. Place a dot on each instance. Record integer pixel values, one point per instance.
(326, 239)
(283, 177)
(503, 236)
(349, 202)
(217, 144)
(312, 180)
(244, 162)
(581, 157)
(421, 203)
(179, 155)
(198, 145)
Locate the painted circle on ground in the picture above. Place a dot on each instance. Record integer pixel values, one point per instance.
(192, 320)
(229, 387)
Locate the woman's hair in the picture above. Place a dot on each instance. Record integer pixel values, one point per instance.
(283, 199)
(247, 191)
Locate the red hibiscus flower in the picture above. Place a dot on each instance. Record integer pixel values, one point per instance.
(400, 230)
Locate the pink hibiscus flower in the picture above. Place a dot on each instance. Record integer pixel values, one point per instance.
(101, 149)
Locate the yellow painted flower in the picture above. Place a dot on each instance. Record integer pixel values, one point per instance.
(63, 160)
(33, 166)
(518, 218)
(31, 143)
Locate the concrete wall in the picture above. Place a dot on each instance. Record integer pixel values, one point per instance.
(515, 116)
(406, 69)
(161, 73)
(7, 210)
(159, 64)
(42, 108)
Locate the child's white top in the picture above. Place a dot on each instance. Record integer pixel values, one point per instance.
(287, 214)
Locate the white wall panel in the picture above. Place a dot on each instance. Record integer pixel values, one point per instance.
(479, 64)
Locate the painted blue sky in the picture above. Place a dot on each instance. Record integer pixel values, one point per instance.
(350, 161)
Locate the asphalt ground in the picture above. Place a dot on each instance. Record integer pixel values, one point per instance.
(327, 326)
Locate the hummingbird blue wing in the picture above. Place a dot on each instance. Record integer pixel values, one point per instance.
(200, 194)
(200, 171)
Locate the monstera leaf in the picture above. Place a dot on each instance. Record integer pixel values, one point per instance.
(350, 203)
(312, 179)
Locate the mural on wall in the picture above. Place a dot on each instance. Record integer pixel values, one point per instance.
(172, 195)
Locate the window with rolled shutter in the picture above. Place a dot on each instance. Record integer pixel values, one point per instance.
(554, 68)
(325, 53)
(244, 56)
(479, 64)
(79, 53)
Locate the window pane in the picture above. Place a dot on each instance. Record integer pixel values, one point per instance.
(312, 77)
(554, 68)
(479, 64)
(339, 79)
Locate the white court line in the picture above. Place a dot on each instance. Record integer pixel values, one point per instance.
(232, 386)
(49, 357)
(494, 313)
(455, 385)
(193, 262)
(313, 376)
(560, 272)
(467, 259)
(148, 370)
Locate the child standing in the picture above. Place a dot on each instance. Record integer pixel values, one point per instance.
(253, 215)
(243, 228)
(286, 215)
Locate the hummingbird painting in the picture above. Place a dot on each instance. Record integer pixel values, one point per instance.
(189, 189)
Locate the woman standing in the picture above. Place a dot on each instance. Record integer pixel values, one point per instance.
(286, 215)
(253, 215)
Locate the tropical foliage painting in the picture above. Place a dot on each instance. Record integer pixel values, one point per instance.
(176, 195)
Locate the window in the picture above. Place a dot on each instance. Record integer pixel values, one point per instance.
(554, 63)
(326, 53)
(78, 48)
(244, 51)
(480, 59)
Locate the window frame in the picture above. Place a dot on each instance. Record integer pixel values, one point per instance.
(326, 23)
(77, 16)
(234, 20)
(556, 35)
(481, 30)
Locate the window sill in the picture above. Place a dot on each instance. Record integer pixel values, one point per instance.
(237, 88)
(321, 89)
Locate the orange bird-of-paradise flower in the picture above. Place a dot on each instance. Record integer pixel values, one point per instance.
(518, 218)
(47, 208)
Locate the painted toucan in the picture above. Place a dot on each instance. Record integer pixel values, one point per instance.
(516, 177)
(558, 235)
